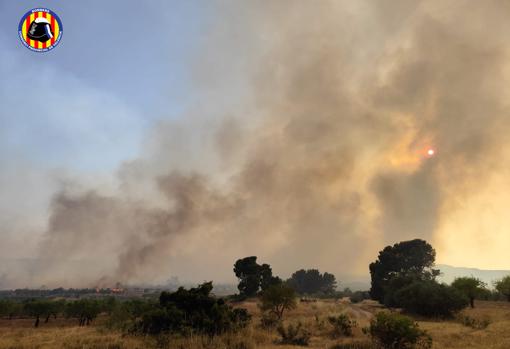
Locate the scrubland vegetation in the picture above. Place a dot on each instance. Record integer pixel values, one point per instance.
(409, 309)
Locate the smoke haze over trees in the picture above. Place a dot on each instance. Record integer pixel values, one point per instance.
(306, 141)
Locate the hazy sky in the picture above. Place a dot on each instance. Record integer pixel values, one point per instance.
(173, 137)
(83, 109)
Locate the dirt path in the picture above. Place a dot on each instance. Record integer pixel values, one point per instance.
(358, 312)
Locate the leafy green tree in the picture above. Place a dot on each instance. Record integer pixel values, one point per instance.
(413, 259)
(471, 287)
(53, 310)
(38, 309)
(266, 277)
(503, 286)
(328, 283)
(394, 285)
(85, 310)
(429, 298)
(253, 276)
(278, 298)
(311, 281)
(248, 272)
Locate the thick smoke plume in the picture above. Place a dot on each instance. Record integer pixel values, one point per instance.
(307, 148)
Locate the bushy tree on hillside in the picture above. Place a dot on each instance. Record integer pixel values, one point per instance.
(471, 287)
(253, 276)
(503, 286)
(247, 271)
(194, 310)
(278, 298)
(407, 260)
(429, 298)
(311, 281)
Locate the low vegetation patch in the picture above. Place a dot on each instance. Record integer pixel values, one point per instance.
(478, 324)
(395, 331)
(342, 325)
(294, 334)
(359, 296)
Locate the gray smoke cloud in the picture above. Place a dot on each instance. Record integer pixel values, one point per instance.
(308, 147)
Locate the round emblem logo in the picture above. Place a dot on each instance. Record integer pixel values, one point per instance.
(40, 30)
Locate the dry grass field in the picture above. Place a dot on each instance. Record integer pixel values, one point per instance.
(19, 334)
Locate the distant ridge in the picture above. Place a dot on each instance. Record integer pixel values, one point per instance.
(449, 273)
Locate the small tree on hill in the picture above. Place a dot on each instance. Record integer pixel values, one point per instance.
(278, 298)
(471, 287)
(503, 286)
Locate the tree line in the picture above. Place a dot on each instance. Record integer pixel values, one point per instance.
(254, 278)
(402, 276)
(83, 310)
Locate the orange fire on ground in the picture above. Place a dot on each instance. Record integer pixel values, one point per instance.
(431, 152)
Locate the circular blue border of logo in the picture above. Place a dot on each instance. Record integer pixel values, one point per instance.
(20, 29)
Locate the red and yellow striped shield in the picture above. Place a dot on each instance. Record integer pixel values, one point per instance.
(47, 18)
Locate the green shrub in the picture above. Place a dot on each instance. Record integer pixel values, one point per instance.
(194, 310)
(342, 325)
(395, 331)
(294, 334)
(160, 320)
(429, 298)
(123, 315)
